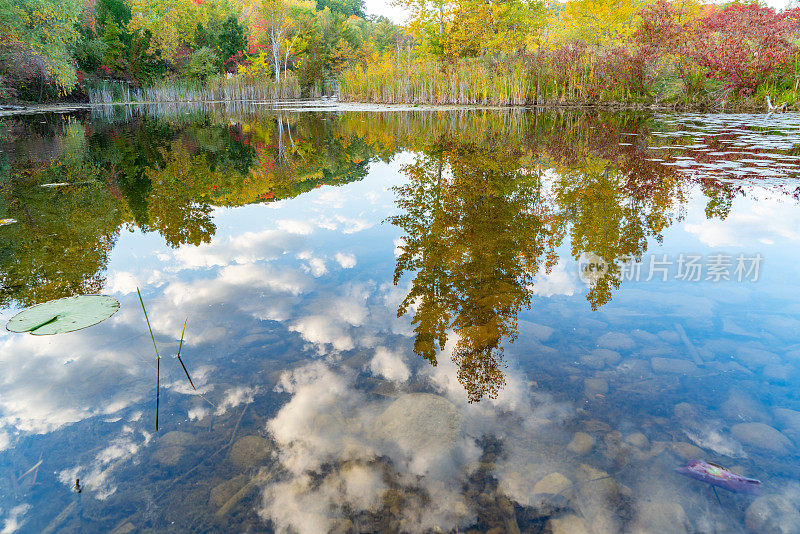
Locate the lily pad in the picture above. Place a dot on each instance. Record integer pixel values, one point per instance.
(64, 315)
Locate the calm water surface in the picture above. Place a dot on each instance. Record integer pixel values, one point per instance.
(406, 321)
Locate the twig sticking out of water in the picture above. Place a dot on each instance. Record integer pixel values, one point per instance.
(158, 358)
(184, 367)
(179, 355)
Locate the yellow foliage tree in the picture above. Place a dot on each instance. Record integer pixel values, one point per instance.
(599, 22)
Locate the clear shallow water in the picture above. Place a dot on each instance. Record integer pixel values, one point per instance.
(402, 321)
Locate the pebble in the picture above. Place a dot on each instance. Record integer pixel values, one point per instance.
(581, 443)
(772, 514)
(762, 436)
(673, 365)
(552, 484)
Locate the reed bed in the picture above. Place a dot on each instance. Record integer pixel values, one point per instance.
(427, 83)
(217, 89)
(567, 74)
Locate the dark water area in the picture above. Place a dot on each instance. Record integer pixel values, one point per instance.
(401, 321)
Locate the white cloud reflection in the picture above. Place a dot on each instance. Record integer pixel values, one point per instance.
(428, 448)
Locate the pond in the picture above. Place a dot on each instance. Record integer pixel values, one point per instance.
(455, 320)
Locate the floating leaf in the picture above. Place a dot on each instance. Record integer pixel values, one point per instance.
(64, 315)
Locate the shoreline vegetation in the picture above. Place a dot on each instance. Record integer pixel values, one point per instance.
(610, 54)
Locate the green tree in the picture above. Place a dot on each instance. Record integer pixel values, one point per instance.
(114, 47)
(112, 12)
(232, 38)
(203, 64)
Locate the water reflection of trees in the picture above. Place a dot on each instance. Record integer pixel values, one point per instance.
(483, 213)
(490, 198)
(163, 174)
(473, 239)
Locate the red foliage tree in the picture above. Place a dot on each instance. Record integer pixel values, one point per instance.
(661, 30)
(744, 43)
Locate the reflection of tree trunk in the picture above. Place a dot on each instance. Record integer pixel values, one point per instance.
(281, 148)
(291, 139)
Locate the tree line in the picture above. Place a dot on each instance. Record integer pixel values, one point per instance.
(52, 49)
(673, 52)
(501, 52)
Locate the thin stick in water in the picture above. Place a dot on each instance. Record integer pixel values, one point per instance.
(179, 355)
(158, 358)
(158, 389)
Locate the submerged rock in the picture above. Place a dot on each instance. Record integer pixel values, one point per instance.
(778, 372)
(593, 361)
(420, 421)
(171, 447)
(552, 484)
(595, 386)
(687, 451)
(772, 514)
(598, 499)
(615, 341)
(762, 436)
(789, 421)
(662, 516)
(743, 408)
(599, 358)
(249, 451)
(581, 443)
(639, 440)
(673, 365)
(223, 492)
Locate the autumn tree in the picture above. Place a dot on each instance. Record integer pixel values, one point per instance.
(428, 23)
(743, 44)
(501, 27)
(40, 33)
(473, 239)
(599, 22)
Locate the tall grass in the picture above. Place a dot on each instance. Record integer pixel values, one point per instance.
(427, 82)
(567, 74)
(217, 89)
